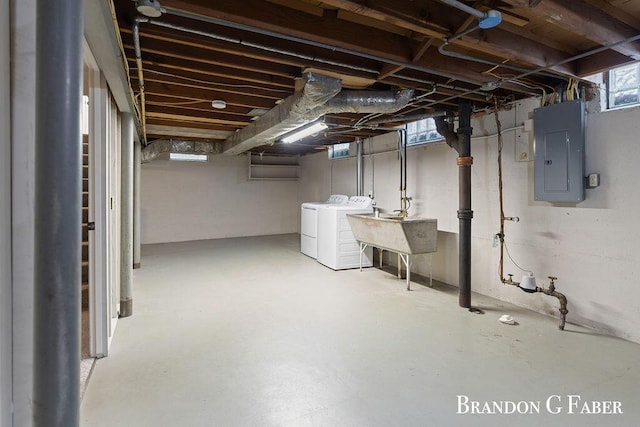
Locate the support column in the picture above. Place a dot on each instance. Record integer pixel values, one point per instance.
(359, 169)
(465, 214)
(6, 324)
(126, 221)
(58, 188)
(137, 158)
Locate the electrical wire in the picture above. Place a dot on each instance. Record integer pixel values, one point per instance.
(500, 145)
(503, 244)
(506, 248)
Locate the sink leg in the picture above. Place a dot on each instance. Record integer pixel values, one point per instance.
(431, 270)
(408, 272)
(399, 267)
(380, 257)
(361, 249)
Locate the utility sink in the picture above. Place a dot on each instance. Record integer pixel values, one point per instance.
(406, 235)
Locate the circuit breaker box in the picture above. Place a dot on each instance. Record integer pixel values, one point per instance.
(558, 134)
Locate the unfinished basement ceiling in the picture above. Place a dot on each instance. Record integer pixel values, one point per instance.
(255, 54)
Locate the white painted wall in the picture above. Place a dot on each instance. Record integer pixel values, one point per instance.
(5, 216)
(183, 201)
(23, 45)
(590, 246)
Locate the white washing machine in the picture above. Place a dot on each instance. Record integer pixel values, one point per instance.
(337, 247)
(309, 223)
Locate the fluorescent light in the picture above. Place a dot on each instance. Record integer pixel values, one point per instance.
(304, 132)
(189, 157)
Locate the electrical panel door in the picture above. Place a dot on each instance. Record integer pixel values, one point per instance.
(558, 132)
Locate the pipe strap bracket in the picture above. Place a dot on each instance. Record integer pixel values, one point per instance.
(465, 214)
(464, 161)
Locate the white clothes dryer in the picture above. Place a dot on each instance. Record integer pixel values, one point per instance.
(309, 223)
(337, 247)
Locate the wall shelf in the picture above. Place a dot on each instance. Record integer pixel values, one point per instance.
(273, 167)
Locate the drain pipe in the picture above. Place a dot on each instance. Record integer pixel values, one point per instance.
(58, 188)
(405, 201)
(138, 52)
(462, 144)
(359, 171)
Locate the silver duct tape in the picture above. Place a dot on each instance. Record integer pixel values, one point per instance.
(359, 101)
(285, 117)
(163, 146)
(321, 95)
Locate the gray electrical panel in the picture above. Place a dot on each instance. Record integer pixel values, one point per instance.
(558, 135)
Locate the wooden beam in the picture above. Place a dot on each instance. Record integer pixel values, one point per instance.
(495, 41)
(619, 14)
(600, 62)
(592, 23)
(155, 73)
(202, 107)
(156, 130)
(220, 116)
(522, 50)
(420, 49)
(179, 124)
(222, 74)
(388, 70)
(192, 118)
(153, 50)
(171, 89)
(271, 17)
(219, 91)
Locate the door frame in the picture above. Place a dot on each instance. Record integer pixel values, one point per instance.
(102, 323)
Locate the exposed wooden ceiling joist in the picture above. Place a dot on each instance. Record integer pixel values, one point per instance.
(257, 51)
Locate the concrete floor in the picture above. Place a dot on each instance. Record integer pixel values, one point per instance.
(249, 332)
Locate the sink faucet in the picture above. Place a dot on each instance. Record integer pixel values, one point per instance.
(405, 204)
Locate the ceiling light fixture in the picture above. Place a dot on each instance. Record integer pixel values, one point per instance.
(149, 8)
(218, 104)
(304, 132)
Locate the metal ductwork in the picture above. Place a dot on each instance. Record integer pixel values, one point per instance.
(286, 116)
(362, 101)
(320, 95)
(163, 146)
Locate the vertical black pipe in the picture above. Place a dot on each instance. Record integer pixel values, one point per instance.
(359, 169)
(58, 187)
(465, 214)
(403, 139)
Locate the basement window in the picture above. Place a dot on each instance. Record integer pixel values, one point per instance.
(337, 151)
(422, 132)
(189, 157)
(623, 86)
